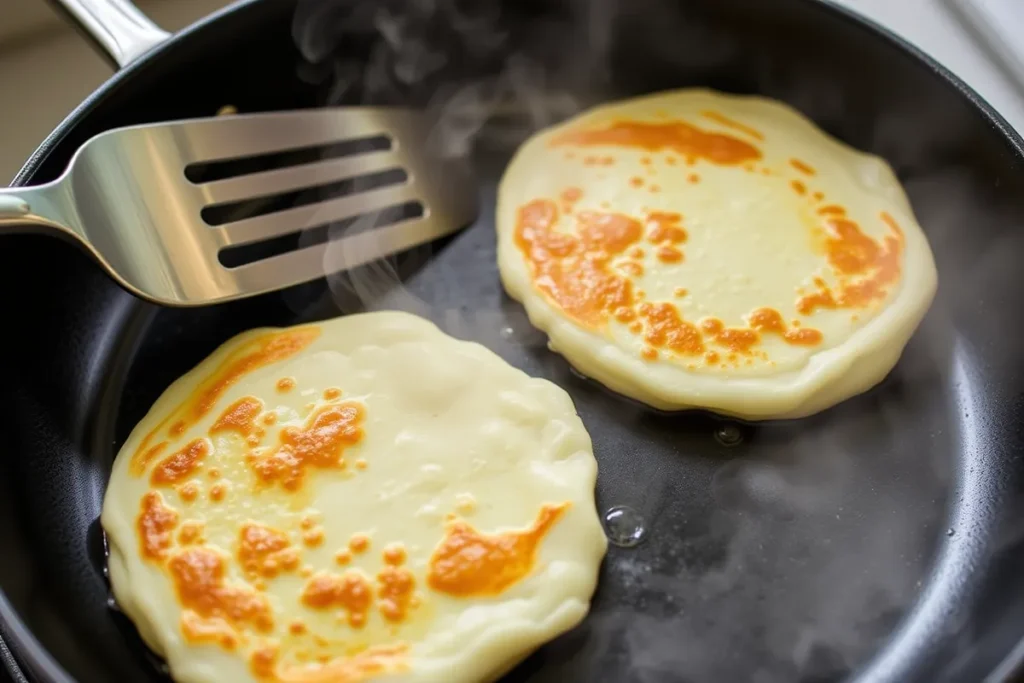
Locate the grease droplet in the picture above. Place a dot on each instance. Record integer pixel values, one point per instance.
(624, 526)
(507, 332)
(729, 435)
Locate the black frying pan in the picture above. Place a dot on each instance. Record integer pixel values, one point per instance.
(882, 540)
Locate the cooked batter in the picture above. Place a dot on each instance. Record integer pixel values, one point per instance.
(699, 250)
(360, 499)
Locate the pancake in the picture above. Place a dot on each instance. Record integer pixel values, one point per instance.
(692, 249)
(361, 499)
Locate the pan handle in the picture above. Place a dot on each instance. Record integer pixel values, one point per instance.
(119, 30)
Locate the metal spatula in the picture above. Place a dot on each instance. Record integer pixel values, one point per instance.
(161, 206)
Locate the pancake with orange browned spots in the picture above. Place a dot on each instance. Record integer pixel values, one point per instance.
(692, 249)
(360, 499)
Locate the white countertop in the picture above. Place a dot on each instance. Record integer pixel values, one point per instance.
(46, 69)
(934, 27)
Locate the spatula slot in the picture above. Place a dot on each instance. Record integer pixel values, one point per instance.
(205, 172)
(220, 214)
(234, 256)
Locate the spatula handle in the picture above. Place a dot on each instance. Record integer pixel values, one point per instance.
(35, 209)
(13, 208)
(121, 31)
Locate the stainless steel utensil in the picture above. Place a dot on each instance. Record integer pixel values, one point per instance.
(127, 198)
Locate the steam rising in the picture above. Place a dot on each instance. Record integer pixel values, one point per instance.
(802, 558)
(450, 59)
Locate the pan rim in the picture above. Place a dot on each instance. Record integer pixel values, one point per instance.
(28, 655)
(68, 123)
(978, 103)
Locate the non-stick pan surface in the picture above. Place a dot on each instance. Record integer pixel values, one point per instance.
(880, 539)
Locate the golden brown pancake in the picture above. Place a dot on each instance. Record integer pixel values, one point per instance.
(692, 249)
(360, 499)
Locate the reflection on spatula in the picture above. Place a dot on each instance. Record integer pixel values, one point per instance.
(208, 210)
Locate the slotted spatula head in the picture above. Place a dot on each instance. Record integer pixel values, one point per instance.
(209, 210)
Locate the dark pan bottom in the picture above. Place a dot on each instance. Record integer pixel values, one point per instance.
(791, 549)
